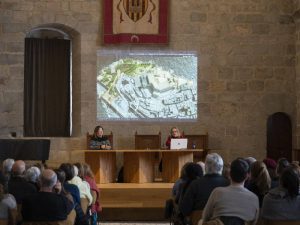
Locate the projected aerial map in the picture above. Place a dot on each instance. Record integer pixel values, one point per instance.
(131, 88)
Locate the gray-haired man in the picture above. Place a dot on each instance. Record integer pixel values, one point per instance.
(199, 190)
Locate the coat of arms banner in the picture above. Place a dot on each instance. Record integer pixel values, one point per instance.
(135, 21)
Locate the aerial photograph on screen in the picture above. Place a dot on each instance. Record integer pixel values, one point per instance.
(139, 87)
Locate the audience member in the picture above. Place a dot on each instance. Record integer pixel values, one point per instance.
(283, 202)
(71, 188)
(46, 205)
(6, 167)
(202, 164)
(6, 171)
(178, 182)
(250, 160)
(226, 171)
(84, 188)
(32, 175)
(260, 181)
(233, 204)
(192, 171)
(282, 163)
(17, 185)
(7, 202)
(95, 207)
(59, 187)
(199, 190)
(271, 166)
(98, 140)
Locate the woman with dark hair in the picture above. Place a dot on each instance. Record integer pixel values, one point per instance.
(98, 140)
(192, 171)
(282, 164)
(67, 169)
(73, 189)
(179, 181)
(260, 181)
(283, 202)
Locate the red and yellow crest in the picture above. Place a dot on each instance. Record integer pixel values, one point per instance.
(135, 9)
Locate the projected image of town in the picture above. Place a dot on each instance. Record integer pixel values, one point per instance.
(140, 86)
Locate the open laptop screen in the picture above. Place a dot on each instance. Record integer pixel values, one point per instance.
(178, 143)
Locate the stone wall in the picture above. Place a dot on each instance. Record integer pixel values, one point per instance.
(247, 67)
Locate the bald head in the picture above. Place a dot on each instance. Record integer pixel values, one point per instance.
(18, 168)
(48, 178)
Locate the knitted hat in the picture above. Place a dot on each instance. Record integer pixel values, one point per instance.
(270, 163)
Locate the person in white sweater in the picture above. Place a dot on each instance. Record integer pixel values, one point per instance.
(233, 204)
(84, 187)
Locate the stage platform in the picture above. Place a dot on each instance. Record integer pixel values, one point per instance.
(133, 202)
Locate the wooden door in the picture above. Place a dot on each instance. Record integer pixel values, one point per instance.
(279, 136)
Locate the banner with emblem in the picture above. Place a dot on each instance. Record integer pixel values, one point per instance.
(135, 21)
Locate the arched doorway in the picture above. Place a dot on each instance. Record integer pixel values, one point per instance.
(279, 136)
(63, 32)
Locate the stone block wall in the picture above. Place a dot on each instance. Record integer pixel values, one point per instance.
(247, 68)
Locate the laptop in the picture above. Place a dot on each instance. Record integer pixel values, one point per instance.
(178, 143)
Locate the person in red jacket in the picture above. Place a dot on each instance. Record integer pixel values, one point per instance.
(174, 133)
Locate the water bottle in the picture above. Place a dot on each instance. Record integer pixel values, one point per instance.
(193, 145)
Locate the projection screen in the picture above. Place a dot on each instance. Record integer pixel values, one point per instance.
(146, 85)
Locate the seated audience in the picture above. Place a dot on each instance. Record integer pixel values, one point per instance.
(6, 172)
(199, 190)
(260, 181)
(202, 164)
(32, 175)
(59, 187)
(17, 185)
(226, 171)
(271, 166)
(46, 205)
(174, 133)
(233, 204)
(250, 160)
(282, 163)
(192, 171)
(7, 202)
(178, 182)
(84, 188)
(95, 207)
(98, 140)
(283, 202)
(71, 188)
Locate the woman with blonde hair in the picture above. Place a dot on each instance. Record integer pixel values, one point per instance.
(260, 180)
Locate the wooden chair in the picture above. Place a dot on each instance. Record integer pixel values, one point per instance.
(201, 142)
(84, 202)
(89, 137)
(150, 141)
(146, 141)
